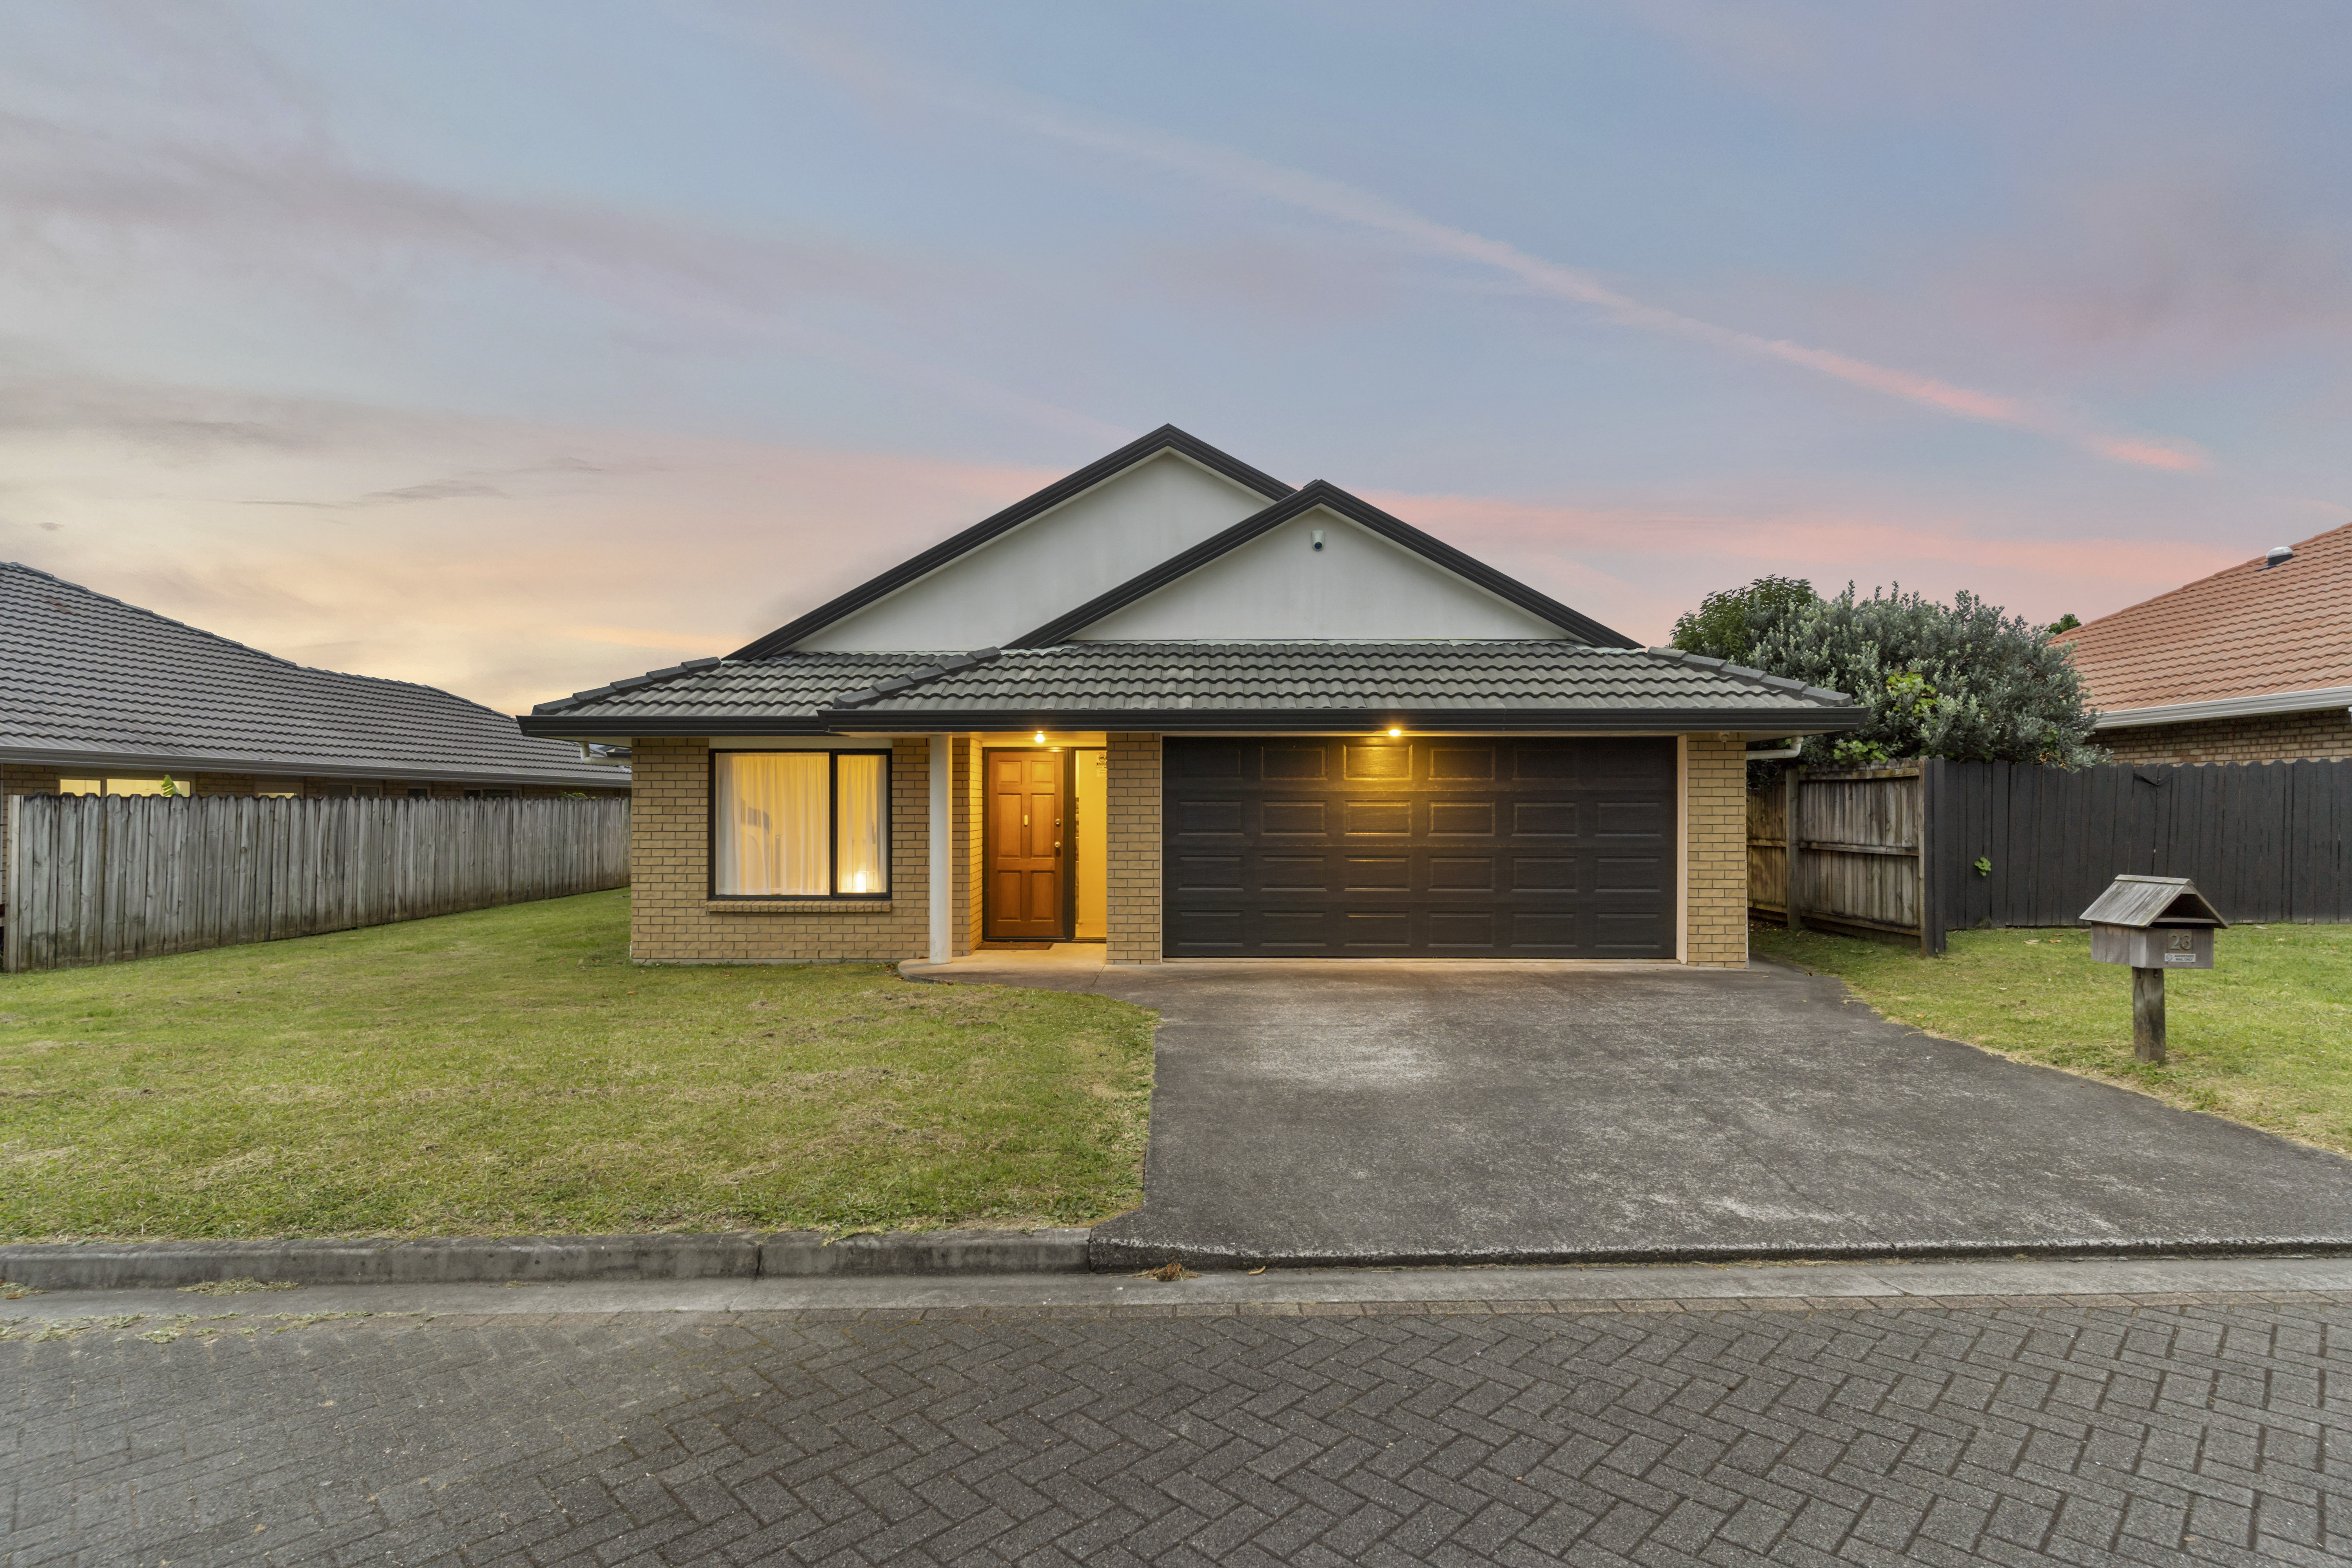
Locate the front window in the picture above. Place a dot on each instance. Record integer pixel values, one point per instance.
(801, 825)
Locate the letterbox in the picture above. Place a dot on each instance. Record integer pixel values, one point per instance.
(2153, 922)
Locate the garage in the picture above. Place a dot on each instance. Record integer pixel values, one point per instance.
(1455, 847)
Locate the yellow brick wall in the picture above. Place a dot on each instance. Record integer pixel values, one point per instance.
(1132, 815)
(1715, 907)
(2268, 737)
(672, 919)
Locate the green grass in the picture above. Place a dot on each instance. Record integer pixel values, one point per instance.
(2264, 1036)
(508, 1071)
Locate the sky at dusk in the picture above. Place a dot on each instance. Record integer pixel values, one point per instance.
(515, 347)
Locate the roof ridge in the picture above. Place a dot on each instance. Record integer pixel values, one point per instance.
(922, 677)
(1752, 676)
(247, 648)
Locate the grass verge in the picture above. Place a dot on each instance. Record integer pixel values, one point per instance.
(2264, 1036)
(508, 1071)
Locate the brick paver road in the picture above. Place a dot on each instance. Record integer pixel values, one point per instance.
(2140, 1432)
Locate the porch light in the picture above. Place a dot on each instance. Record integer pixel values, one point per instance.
(1394, 733)
(1040, 738)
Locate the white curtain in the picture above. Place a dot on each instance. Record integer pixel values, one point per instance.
(858, 854)
(771, 819)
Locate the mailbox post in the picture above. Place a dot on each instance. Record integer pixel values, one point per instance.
(2153, 923)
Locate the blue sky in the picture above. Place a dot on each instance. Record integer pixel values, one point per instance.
(515, 347)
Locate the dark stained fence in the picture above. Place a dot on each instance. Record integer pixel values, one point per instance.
(98, 879)
(2265, 841)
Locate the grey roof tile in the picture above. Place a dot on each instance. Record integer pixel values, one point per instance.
(1146, 678)
(82, 675)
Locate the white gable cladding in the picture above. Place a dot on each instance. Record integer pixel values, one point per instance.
(1358, 587)
(1080, 550)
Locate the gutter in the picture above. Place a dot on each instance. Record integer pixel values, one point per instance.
(2257, 706)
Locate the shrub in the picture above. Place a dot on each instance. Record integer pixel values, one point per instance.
(1961, 680)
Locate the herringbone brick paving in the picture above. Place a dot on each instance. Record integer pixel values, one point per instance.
(2203, 1430)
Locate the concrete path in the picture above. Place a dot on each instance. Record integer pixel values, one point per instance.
(1425, 1113)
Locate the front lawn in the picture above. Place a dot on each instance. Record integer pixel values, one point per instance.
(2264, 1036)
(508, 1071)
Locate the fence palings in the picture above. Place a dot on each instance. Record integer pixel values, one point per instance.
(98, 879)
(2266, 841)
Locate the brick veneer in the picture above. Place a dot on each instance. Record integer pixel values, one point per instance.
(1715, 907)
(2323, 733)
(1131, 816)
(672, 920)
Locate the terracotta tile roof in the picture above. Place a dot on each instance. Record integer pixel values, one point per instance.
(2238, 633)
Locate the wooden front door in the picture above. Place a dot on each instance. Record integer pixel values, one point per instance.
(1027, 803)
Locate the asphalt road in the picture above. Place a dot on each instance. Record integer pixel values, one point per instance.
(1203, 1425)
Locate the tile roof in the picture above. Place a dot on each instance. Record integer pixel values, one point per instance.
(87, 681)
(1161, 683)
(2248, 630)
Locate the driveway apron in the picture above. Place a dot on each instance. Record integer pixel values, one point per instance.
(1402, 1113)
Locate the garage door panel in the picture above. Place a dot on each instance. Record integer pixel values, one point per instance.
(1451, 847)
(1298, 816)
(1294, 764)
(1464, 818)
(1218, 874)
(1448, 764)
(1544, 818)
(1461, 874)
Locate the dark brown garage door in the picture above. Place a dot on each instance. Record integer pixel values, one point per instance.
(1418, 848)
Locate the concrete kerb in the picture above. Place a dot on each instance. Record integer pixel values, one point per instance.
(120, 1266)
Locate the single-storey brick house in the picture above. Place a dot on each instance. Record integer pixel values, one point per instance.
(1173, 705)
(2251, 665)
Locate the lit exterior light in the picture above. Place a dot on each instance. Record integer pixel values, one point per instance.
(1394, 733)
(1041, 738)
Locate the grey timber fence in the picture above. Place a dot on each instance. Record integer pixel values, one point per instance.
(1897, 850)
(99, 880)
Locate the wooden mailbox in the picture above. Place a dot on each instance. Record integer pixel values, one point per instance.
(2152, 924)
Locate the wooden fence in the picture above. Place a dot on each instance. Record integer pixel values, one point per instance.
(1923, 849)
(96, 879)
(1858, 861)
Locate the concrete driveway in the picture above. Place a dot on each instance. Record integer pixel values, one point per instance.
(1419, 1113)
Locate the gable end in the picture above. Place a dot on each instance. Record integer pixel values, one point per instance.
(1322, 493)
(1167, 438)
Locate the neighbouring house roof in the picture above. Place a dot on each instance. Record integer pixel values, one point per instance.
(2253, 639)
(1170, 686)
(86, 681)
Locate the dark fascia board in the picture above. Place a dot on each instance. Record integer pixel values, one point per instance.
(1167, 438)
(1324, 494)
(1165, 720)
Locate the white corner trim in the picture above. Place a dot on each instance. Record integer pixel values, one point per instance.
(2228, 708)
